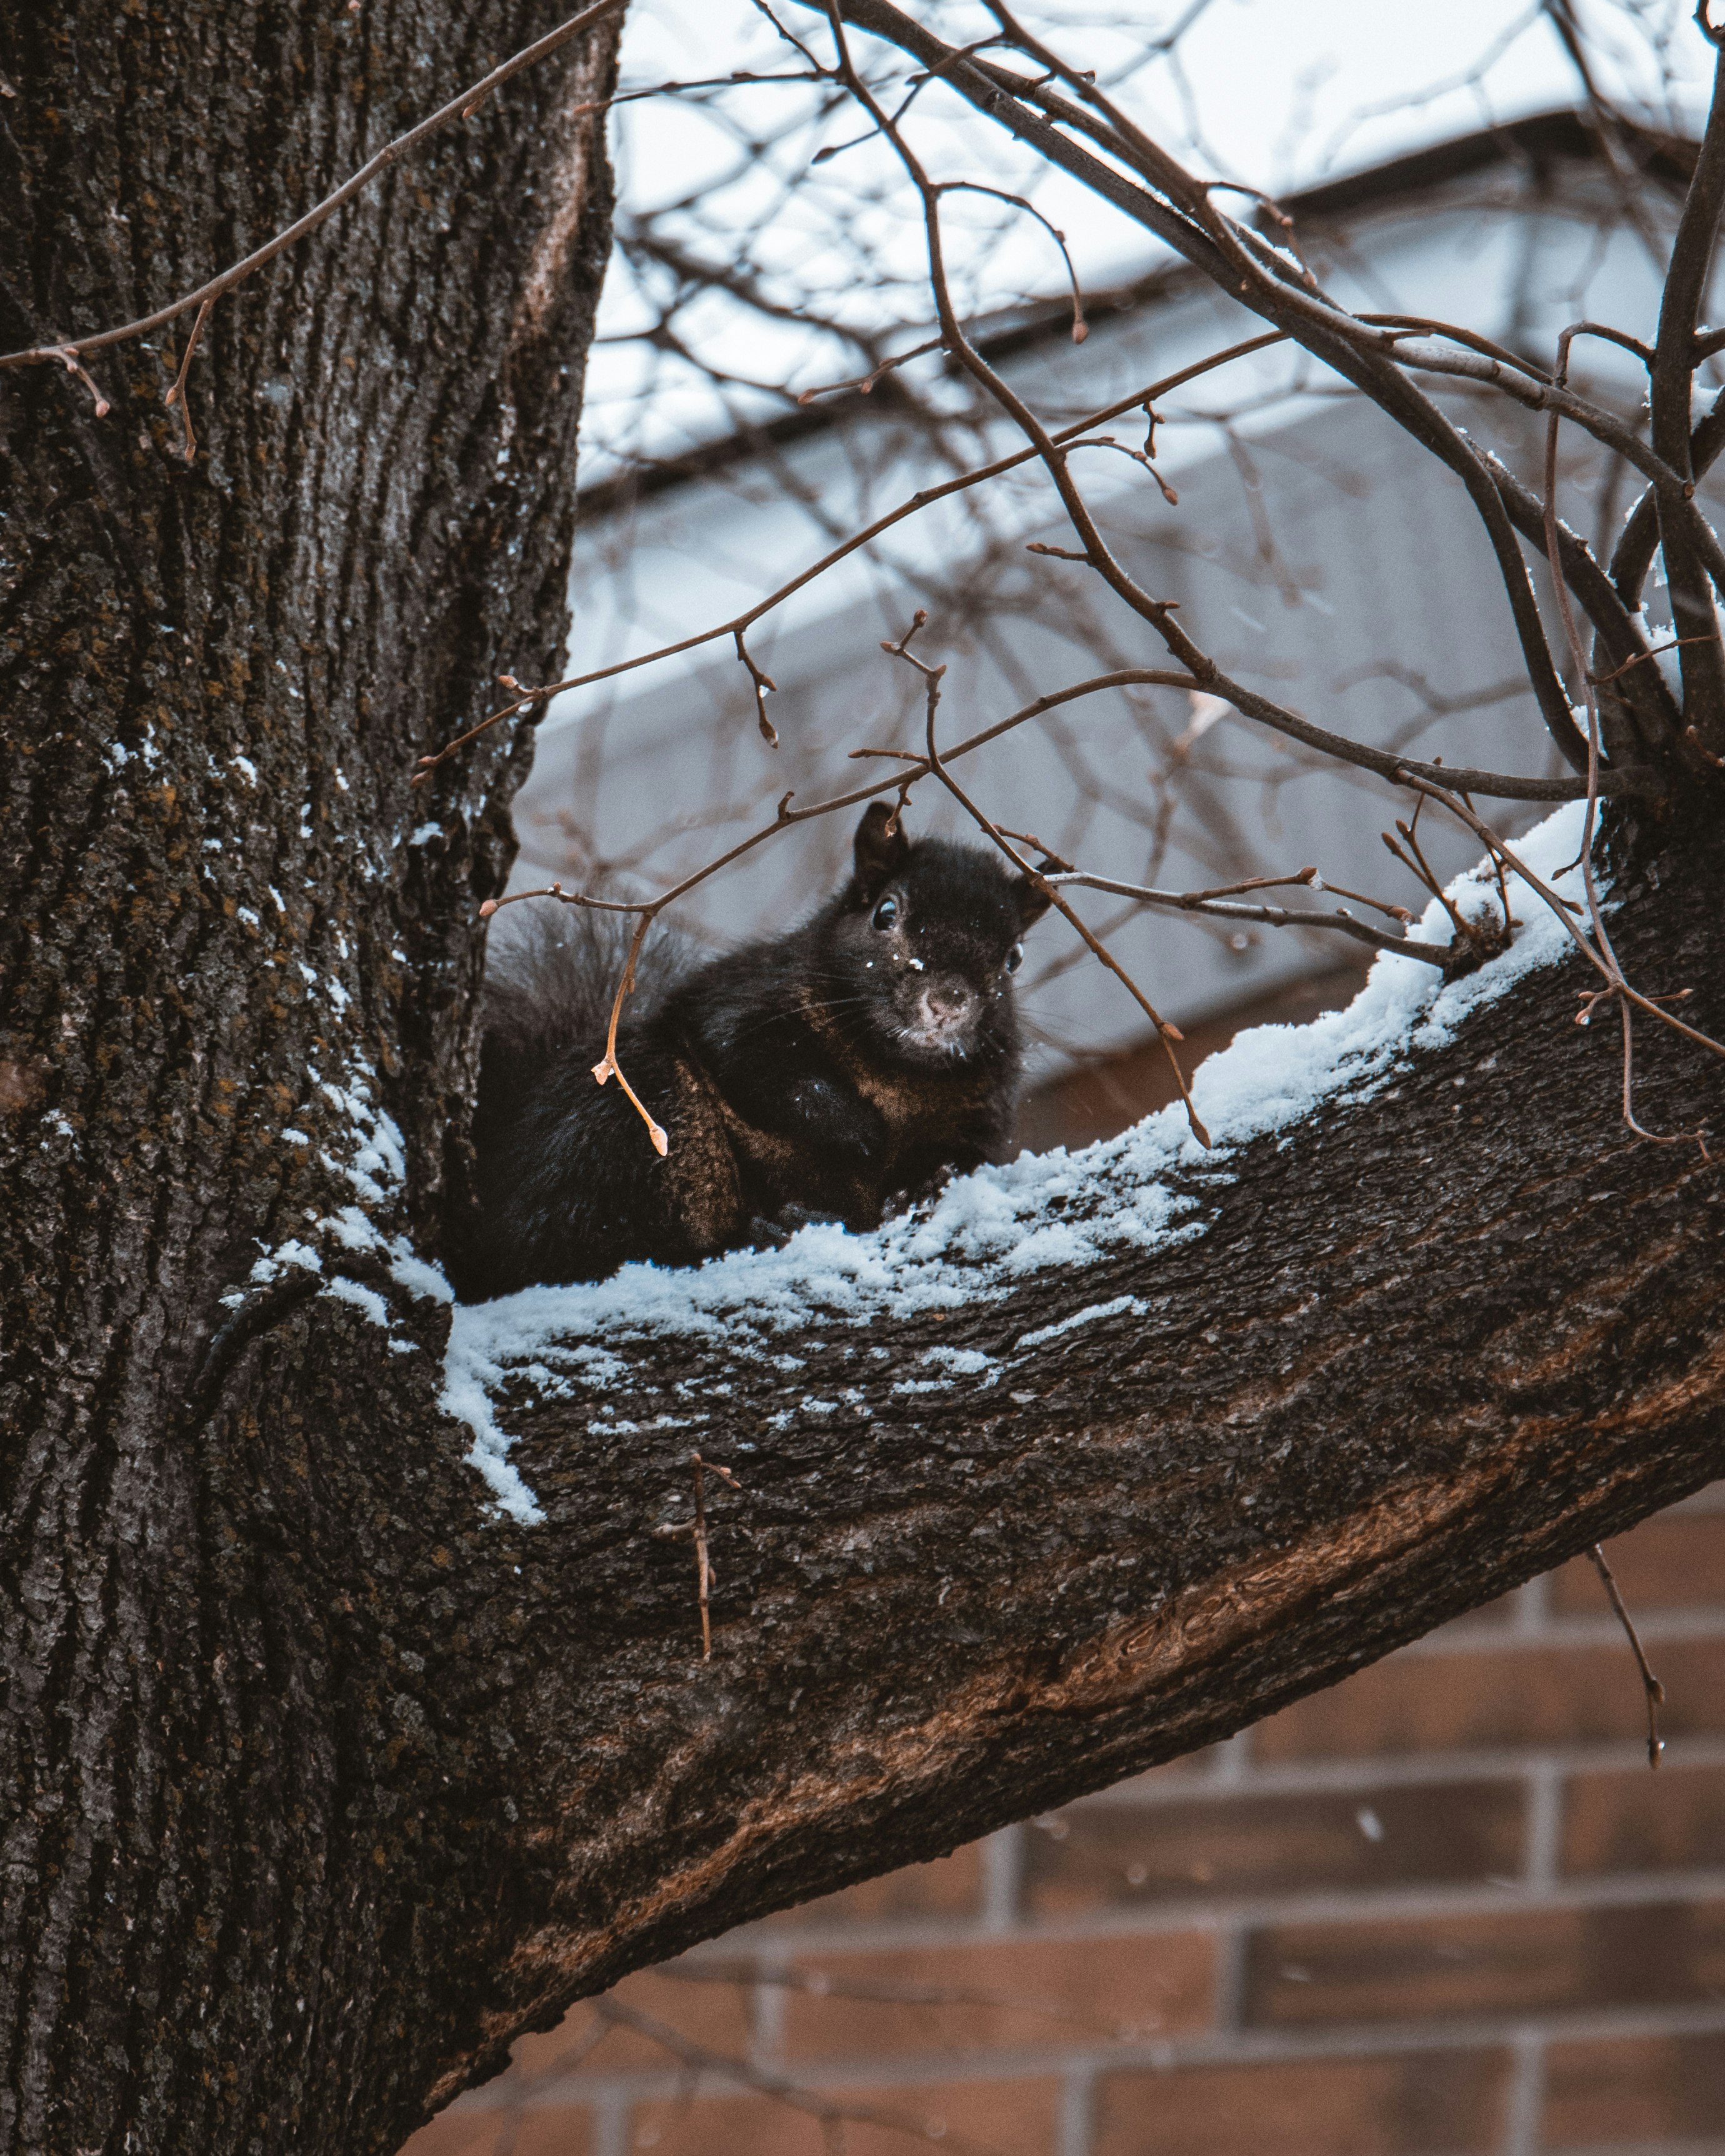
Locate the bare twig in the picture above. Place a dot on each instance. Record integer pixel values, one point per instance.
(1651, 1687)
(176, 394)
(762, 682)
(830, 2112)
(1275, 916)
(67, 355)
(607, 1066)
(695, 1528)
(1397, 769)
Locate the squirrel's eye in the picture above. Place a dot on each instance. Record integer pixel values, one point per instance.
(886, 913)
(1014, 958)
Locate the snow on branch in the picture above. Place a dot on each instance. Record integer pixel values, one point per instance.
(991, 1234)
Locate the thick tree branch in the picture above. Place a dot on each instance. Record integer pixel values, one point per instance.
(1009, 1532)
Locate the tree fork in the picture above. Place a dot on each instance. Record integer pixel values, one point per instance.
(323, 1781)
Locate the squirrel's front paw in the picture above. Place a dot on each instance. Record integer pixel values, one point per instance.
(794, 1215)
(774, 1231)
(922, 1194)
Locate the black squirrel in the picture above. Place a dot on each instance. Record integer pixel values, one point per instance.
(821, 1074)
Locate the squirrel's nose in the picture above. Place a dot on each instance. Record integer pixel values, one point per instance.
(946, 1004)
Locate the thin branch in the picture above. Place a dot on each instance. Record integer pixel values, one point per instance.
(1275, 917)
(828, 2110)
(1080, 328)
(1652, 1690)
(67, 355)
(762, 683)
(1188, 221)
(705, 1575)
(176, 394)
(923, 499)
(458, 108)
(1503, 785)
(1616, 985)
(1681, 531)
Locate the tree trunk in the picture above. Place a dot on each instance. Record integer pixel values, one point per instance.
(325, 1779)
(233, 941)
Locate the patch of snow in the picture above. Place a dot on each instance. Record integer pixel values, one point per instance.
(425, 834)
(270, 1266)
(470, 1375)
(967, 1361)
(362, 1298)
(1669, 661)
(246, 769)
(352, 1230)
(377, 1170)
(416, 1274)
(378, 1165)
(1087, 1317)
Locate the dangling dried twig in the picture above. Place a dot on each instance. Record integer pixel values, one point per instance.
(705, 1575)
(1654, 1689)
(177, 395)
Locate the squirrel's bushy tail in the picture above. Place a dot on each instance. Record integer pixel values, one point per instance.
(551, 973)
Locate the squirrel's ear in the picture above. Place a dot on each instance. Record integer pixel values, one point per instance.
(1033, 904)
(879, 853)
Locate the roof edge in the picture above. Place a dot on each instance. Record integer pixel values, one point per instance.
(1535, 144)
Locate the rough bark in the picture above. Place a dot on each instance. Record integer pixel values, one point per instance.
(216, 678)
(322, 1781)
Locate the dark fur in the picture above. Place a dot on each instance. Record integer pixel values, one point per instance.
(820, 1074)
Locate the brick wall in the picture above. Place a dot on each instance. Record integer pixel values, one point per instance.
(1442, 1907)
